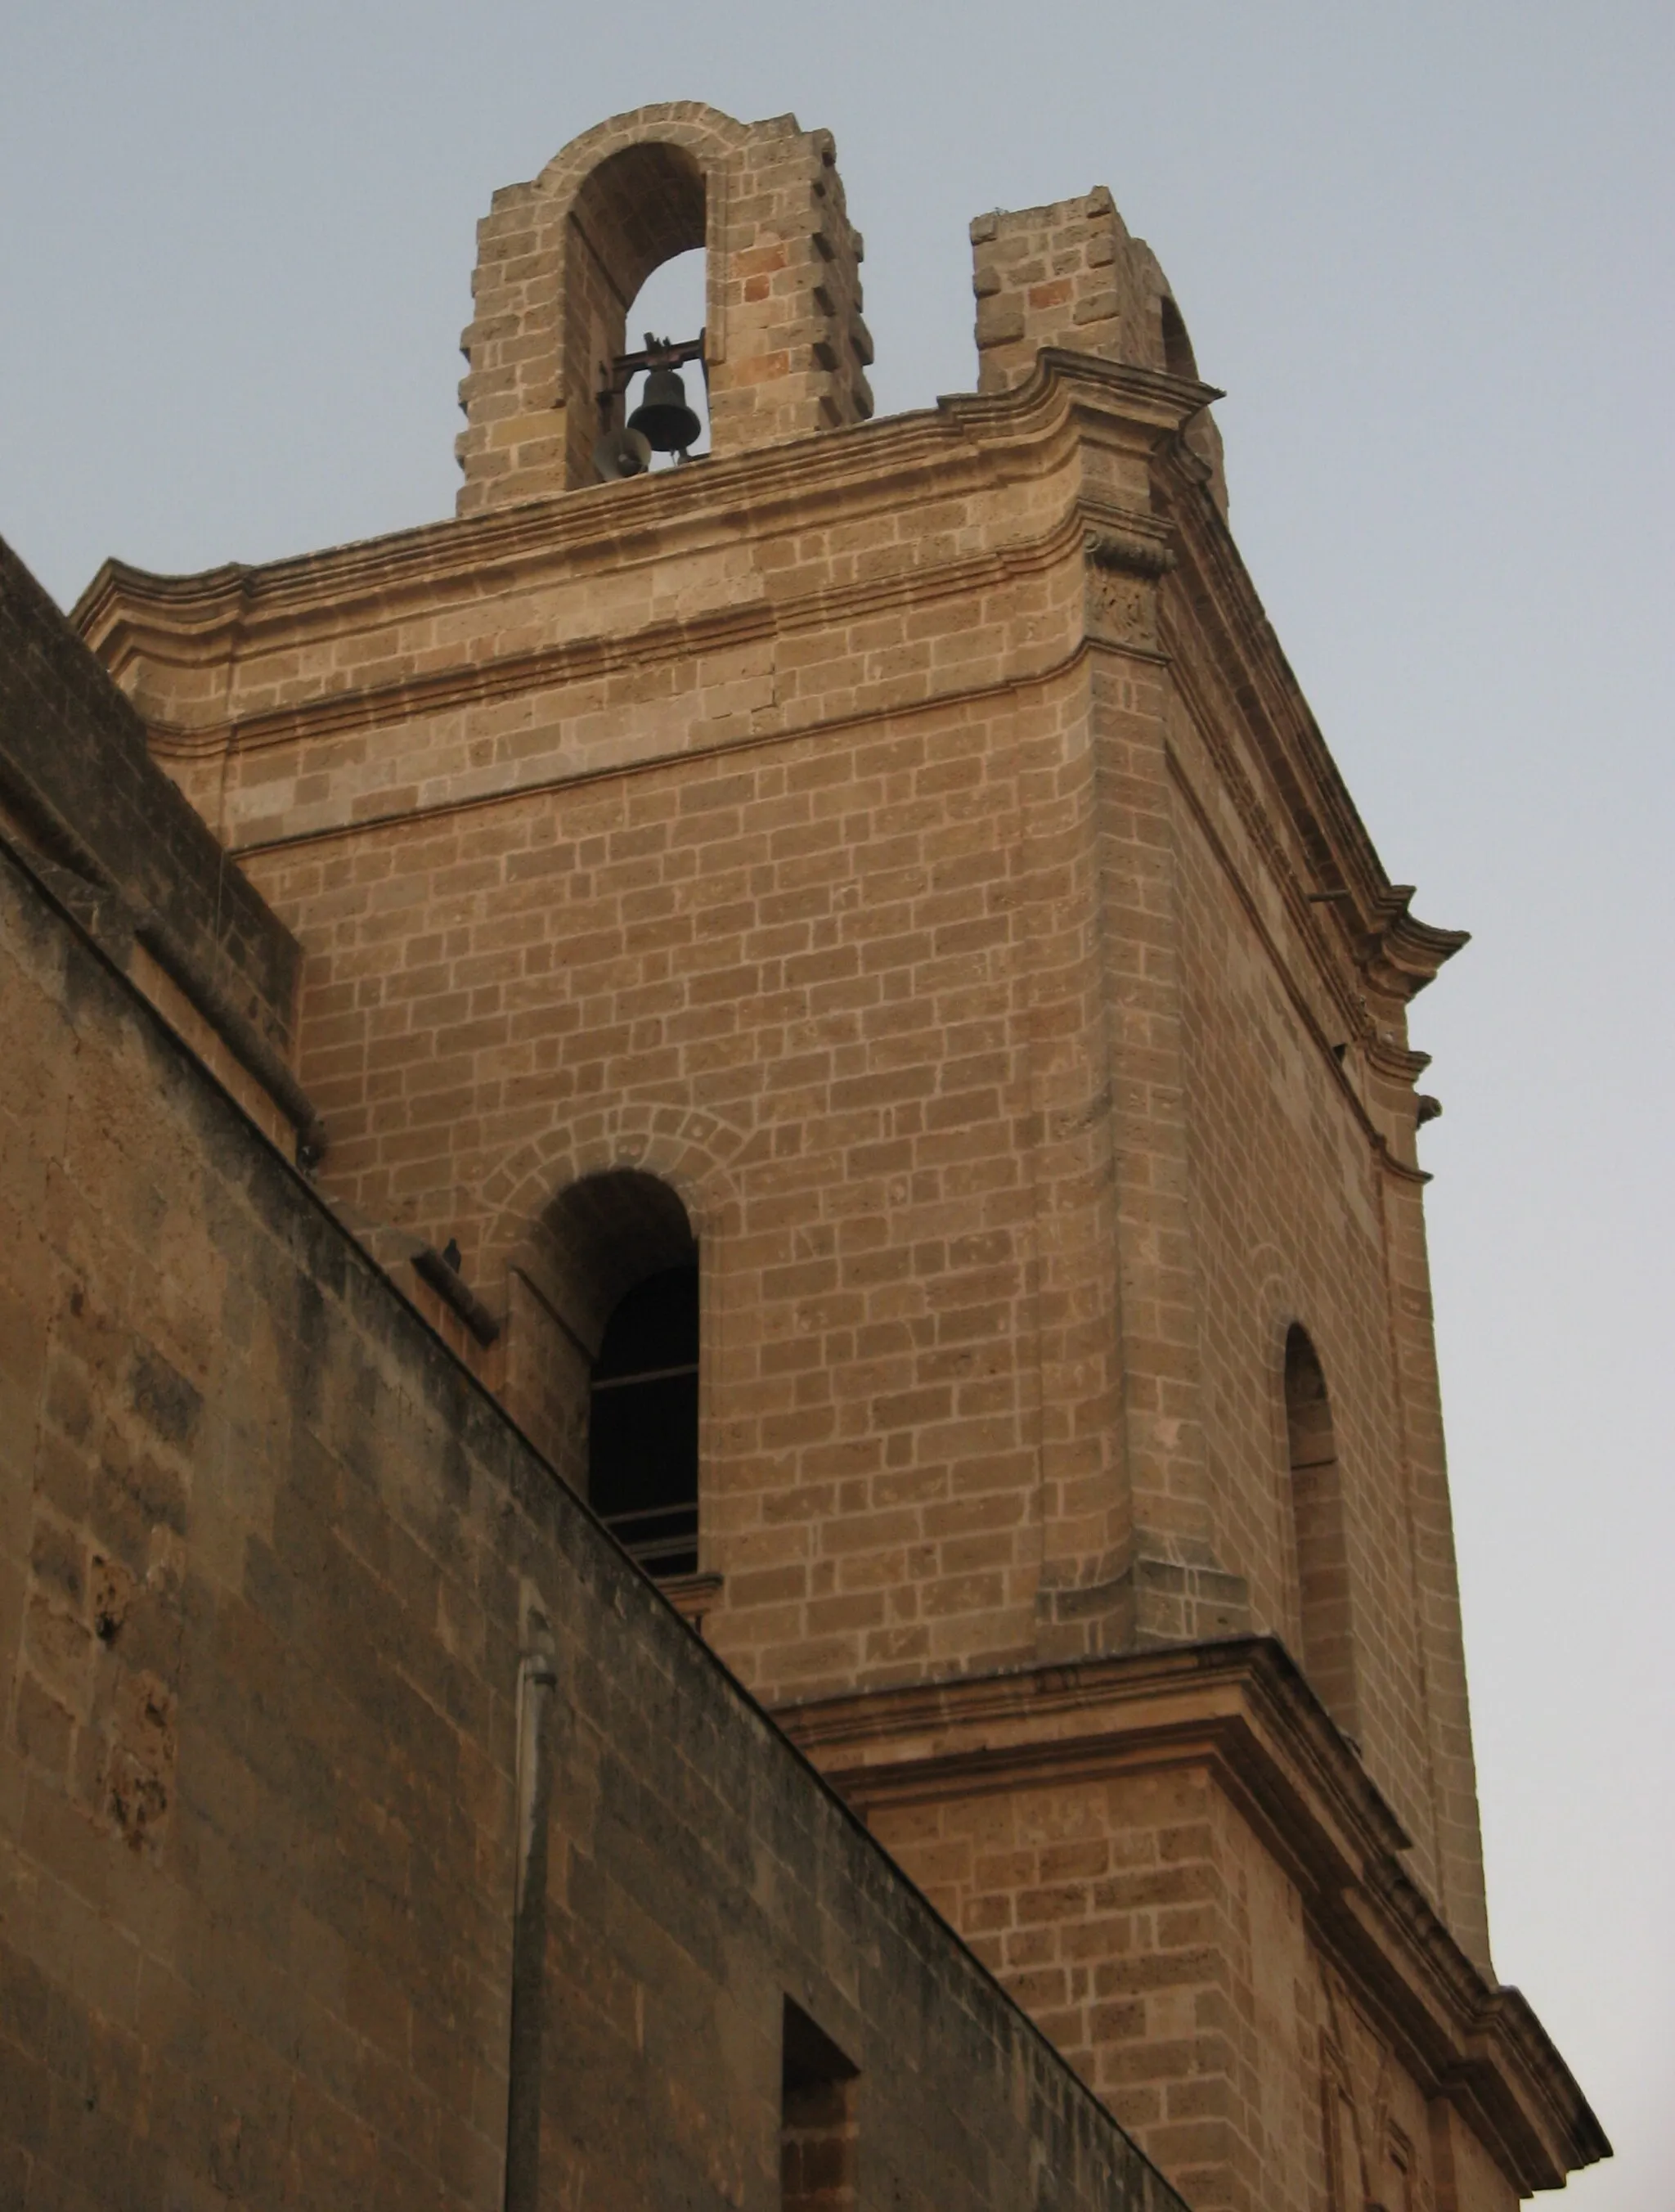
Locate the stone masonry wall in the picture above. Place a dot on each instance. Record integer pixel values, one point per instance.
(879, 932)
(268, 1559)
(813, 985)
(1140, 1920)
(1289, 1228)
(73, 752)
(1302, 1166)
(912, 851)
(720, 975)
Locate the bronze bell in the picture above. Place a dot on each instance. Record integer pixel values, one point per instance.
(663, 417)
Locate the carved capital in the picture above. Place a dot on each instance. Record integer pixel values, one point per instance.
(1127, 552)
(1122, 569)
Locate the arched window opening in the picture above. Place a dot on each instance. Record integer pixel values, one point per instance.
(1177, 346)
(1319, 1535)
(642, 210)
(642, 1431)
(625, 1276)
(671, 304)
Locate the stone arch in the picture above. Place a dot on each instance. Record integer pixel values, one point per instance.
(580, 1216)
(1325, 1606)
(622, 1224)
(702, 131)
(1178, 358)
(690, 1149)
(560, 259)
(632, 195)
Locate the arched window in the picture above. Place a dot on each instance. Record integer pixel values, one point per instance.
(1177, 346)
(637, 287)
(629, 1269)
(1320, 1536)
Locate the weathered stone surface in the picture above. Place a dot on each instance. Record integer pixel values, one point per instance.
(74, 754)
(266, 1556)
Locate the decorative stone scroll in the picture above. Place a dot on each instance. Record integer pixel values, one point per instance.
(1122, 573)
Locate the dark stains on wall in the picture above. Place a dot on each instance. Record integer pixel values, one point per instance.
(266, 1552)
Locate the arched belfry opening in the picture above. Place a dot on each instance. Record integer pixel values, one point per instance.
(780, 351)
(1319, 1535)
(631, 1263)
(1178, 358)
(639, 210)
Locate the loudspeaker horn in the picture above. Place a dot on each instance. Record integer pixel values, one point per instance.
(622, 453)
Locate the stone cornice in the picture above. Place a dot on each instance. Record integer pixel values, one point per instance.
(1394, 1060)
(578, 659)
(1241, 1709)
(1400, 953)
(960, 445)
(969, 445)
(1216, 602)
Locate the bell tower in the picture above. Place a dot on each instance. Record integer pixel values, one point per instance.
(857, 948)
(560, 261)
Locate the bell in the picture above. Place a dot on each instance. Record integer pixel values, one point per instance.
(663, 417)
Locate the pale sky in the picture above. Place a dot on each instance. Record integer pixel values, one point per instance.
(1424, 248)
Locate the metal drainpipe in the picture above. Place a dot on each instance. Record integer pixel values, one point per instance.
(537, 1678)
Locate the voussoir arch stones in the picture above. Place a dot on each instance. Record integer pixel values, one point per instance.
(694, 1152)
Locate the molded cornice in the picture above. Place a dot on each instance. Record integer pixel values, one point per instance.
(1401, 953)
(1213, 628)
(1240, 1709)
(1213, 617)
(578, 659)
(966, 444)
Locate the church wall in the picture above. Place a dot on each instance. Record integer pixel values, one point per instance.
(268, 1563)
(827, 981)
(1307, 1210)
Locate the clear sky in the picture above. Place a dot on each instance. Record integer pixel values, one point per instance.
(1425, 248)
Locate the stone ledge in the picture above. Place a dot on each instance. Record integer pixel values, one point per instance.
(76, 769)
(1239, 1709)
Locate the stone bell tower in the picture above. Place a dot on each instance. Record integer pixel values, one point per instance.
(855, 953)
(560, 262)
